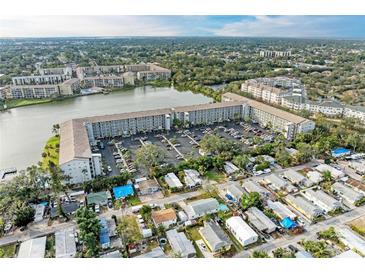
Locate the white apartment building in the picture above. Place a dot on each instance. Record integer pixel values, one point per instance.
(40, 79)
(103, 81)
(357, 112)
(70, 86)
(52, 71)
(210, 113)
(76, 159)
(34, 91)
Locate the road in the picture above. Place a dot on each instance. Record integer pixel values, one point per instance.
(313, 229)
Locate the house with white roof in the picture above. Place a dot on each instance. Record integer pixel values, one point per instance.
(353, 241)
(180, 244)
(173, 181)
(294, 176)
(259, 220)
(347, 193)
(251, 186)
(304, 206)
(33, 248)
(202, 207)
(322, 199)
(243, 233)
(214, 237)
(192, 178)
(65, 243)
(315, 177)
(235, 192)
(230, 168)
(335, 173)
(281, 210)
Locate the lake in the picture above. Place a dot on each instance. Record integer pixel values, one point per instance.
(25, 130)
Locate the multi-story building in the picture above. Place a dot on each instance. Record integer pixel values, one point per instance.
(103, 81)
(53, 79)
(56, 71)
(154, 72)
(357, 112)
(76, 159)
(34, 91)
(267, 116)
(274, 53)
(70, 86)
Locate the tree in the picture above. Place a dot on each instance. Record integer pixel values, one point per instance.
(150, 156)
(283, 157)
(23, 215)
(259, 254)
(327, 176)
(317, 248)
(329, 234)
(283, 253)
(89, 227)
(146, 212)
(252, 199)
(55, 128)
(2, 226)
(241, 160)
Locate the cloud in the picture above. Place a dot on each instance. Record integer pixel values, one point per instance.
(48, 26)
(279, 26)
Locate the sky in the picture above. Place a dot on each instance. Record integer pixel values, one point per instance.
(242, 26)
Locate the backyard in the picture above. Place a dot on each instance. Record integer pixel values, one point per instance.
(51, 152)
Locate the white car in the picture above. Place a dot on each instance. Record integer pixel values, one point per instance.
(97, 209)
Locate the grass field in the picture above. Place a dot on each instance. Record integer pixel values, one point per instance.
(14, 103)
(51, 152)
(7, 251)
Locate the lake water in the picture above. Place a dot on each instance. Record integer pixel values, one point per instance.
(24, 131)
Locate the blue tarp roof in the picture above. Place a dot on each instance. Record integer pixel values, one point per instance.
(288, 223)
(123, 191)
(340, 150)
(104, 232)
(223, 207)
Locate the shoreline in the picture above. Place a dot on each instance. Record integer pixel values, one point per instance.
(32, 102)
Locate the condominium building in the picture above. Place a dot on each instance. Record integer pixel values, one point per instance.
(287, 123)
(78, 134)
(154, 72)
(70, 86)
(40, 79)
(103, 81)
(274, 53)
(76, 159)
(34, 91)
(357, 112)
(52, 71)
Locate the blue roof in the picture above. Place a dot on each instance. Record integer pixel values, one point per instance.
(288, 223)
(223, 207)
(104, 232)
(340, 150)
(123, 191)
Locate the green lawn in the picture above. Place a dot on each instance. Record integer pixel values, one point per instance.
(7, 251)
(51, 152)
(133, 200)
(215, 176)
(13, 103)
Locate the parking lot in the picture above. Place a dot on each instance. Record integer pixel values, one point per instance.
(120, 154)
